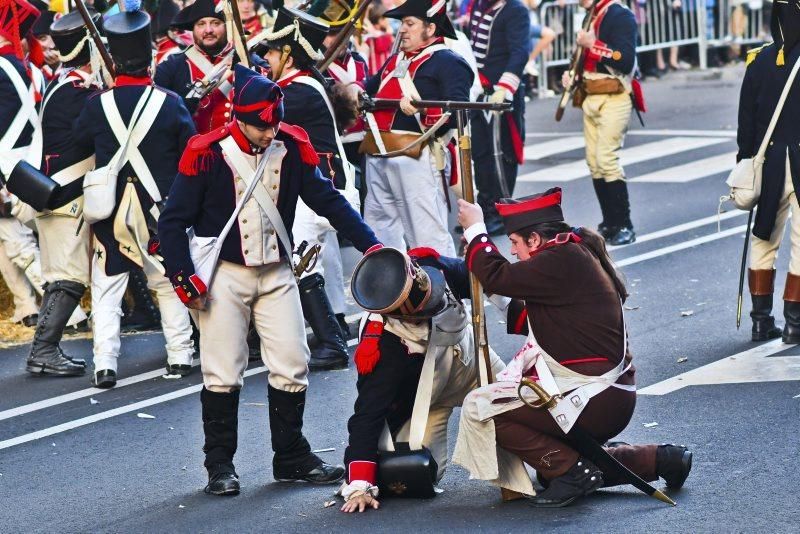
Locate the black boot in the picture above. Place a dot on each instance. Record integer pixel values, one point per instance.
(762, 286)
(343, 326)
(59, 301)
(253, 344)
(293, 458)
(582, 479)
(604, 228)
(332, 350)
(220, 426)
(791, 309)
(145, 314)
(619, 209)
(673, 463)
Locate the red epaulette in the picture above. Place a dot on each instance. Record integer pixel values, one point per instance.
(300, 136)
(197, 156)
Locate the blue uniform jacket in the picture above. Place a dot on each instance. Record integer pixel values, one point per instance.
(206, 202)
(509, 42)
(161, 149)
(618, 33)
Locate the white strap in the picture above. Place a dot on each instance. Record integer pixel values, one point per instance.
(777, 113)
(245, 170)
(137, 130)
(422, 401)
(49, 94)
(73, 172)
(376, 133)
(25, 114)
(249, 191)
(208, 68)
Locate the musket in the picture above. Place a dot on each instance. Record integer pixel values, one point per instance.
(583, 442)
(343, 37)
(741, 270)
(95, 35)
(239, 42)
(575, 66)
(370, 104)
(497, 152)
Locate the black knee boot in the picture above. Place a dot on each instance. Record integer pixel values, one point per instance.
(332, 350)
(220, 426)
(762, 286)
(59, 301)
(144, 315)
(619, 208)
(791, 309)
(582, 479)
(600, 190)
(293, 458)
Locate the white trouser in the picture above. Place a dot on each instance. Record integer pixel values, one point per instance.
(65, 255)
(406, 204)
(268, 294)
(21, 290)
(763, 253)
(308, 226)
(107, 294)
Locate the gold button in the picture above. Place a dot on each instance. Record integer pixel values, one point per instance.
(180, 278)
(276, 171)
(274, 187)
(274, 247)
(271, 232)
(227, 104)
(246, 251)
(130, 179)
(244, 221)
(227, 114)
(241, 193)
(246, 236)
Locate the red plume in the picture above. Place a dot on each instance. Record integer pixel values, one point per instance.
(368, 352)
(35, 51)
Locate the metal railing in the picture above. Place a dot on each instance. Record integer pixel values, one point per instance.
(663, 24)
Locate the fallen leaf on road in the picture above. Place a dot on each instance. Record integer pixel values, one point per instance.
(254, 404)
(681, 360)
(328, 504)
(302, 515)
(172, 428)
(687, 313)
(501, 322)
(92, 401)
(183, 468)
(694, 280)
(181, 506)
(650, 425)
(141, 415)
(632, 308)
(54, 444)
(331, 449)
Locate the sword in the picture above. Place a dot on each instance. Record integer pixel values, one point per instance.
(308, 259)
(741, 271)
(583, 442)
(498, 154)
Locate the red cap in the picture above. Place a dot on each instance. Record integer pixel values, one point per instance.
(534, 209)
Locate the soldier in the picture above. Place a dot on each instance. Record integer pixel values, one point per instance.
(254, 277)
(499, 31)
(168, 40)
(291, 57)
(181, 70)
(407, 199)
(567, 298)
(157, 140)
(64, 240)
(766, 75)
(610, 60)
(414, 357)
(51, 68)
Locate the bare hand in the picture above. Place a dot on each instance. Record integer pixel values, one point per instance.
(360, 503)
(468, 214)
(406, 107)
(566, 80)
(586, 39)
(197, 303)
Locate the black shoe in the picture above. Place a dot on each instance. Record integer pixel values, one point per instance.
(605, 228)
(323, 359)
(582, 479)
(178, 369)
(222, 481)
(104, 379)
(623, 236)
(332, 350)
(673, 463)
(56, 363)
(322, 474)
(30, 320)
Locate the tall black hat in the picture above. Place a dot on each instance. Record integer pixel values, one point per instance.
(164, 15)
(189, 15)
(129, 39)
(42, 24)
(430, 10)
(304, 33)
(71, 37)
(387, 281)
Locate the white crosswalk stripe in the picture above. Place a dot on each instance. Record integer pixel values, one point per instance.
(652, 151)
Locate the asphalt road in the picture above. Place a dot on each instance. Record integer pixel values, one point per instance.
(74, 459)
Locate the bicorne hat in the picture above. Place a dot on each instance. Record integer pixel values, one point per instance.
(257, 100)
(534, 209)
(429, 10)
(128, 35)
(71, 37)
(189, 15)
(304, 33)
(387, 281)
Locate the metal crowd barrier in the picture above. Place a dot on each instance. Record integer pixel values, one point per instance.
(706, 23)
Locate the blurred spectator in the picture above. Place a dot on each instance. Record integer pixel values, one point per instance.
(378, 37)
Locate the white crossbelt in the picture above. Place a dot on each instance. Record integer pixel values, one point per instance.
(206, 67)
(10, 156)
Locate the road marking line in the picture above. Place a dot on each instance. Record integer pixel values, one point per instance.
(683, 227)
(548, 148)
(697, 133)
(648, 151)
(680, 246)
(690, 171)
(750, 366)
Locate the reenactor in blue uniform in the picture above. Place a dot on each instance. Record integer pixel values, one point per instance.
(499, 31)
(307, 104)
(767, 73)
(121, 241)
(65, 242)
(607, 83)
(254, 278)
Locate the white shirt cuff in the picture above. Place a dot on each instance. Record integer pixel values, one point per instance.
(474, 231)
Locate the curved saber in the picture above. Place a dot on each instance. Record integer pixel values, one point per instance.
(583, 442)
(497, 145)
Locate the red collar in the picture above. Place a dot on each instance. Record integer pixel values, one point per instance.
(124, 79)
(7, 50)
(289, 79)
(560, 239)
(238, 136)
(438, 40)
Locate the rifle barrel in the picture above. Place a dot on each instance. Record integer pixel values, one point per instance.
(452, 105)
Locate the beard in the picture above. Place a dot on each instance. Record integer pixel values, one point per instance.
(213, 50)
